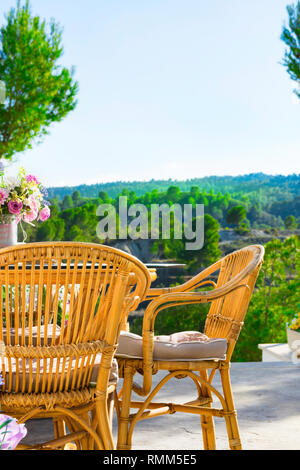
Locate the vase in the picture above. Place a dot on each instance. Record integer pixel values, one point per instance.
(8, 231)
(292, 336)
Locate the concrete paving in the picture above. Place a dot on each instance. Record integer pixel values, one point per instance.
(267, 399)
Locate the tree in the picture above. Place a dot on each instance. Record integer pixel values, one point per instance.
(173, 193)
(290, 222)
(291, 36)
(104, 196)
(39, 91)
(194, 259)
(67, 202)
(235, 215)
(76, 197)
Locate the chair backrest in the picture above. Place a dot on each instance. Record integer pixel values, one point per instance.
(62, 304)
(237, 271)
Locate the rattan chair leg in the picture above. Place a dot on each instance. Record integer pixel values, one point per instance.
(104, 423)
(73, 427)
(110, 407)
(208, 432)
(230, 416)
(123, 427)
(59, 427)
(207, 422)
(86, 441)
(96, 427)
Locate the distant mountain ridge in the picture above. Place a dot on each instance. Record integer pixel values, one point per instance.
(286, 186)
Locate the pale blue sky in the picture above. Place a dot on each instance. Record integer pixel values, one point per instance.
(170, 89)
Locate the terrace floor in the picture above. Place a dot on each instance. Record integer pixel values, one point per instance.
(267, 399)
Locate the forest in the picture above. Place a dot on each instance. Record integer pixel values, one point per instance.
(266, 202)
(244, 210)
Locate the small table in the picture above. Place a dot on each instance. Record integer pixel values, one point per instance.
(276, 352)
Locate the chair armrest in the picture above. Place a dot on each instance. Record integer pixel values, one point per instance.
(172, 299)
(158, 291)
(165, 301)
(199, 280)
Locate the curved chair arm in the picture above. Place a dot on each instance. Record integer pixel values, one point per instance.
(173, 299)
(161, 303)
(199, 280)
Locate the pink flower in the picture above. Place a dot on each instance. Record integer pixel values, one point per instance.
(11, 432)
(3, 195)
(31, 202)
(32, 179)
(30, 216)
(44, 214)
(15, 207)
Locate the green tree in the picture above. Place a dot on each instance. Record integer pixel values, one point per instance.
(67, 202)
(75, 234)
(76, 197)
(104, 196)
(290, 222)
(39, 91)
(173, 194)
(50, 230)
(291, 36)
(195, 259)
(195, 192)
(236, 215)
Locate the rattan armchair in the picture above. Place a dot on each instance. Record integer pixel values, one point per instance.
(232, 280)
(61, 312)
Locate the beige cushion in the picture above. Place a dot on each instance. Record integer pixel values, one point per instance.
(185, 346)
(34, 335)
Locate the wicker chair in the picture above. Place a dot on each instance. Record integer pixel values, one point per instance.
(198, 356)
(63, 307)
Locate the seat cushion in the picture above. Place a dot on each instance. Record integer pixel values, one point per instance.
(182, 346)
(34, 332)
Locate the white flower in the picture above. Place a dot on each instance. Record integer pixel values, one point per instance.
(11, 182)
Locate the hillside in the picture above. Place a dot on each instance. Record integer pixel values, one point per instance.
(274, 187)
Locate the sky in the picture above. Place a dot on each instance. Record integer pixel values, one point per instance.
(173, 89)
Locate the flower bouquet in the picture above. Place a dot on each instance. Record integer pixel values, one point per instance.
(11, 432)
(22, 199)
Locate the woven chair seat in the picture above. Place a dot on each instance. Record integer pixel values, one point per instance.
(182, 346)
(24, 401)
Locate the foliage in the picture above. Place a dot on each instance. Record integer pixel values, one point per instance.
(275, 300)
(291, 36)
(257, 187)
(236, 215)
(290, 222)
(195, 259)
(267, 199)
(172, 320)
(38, 90)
